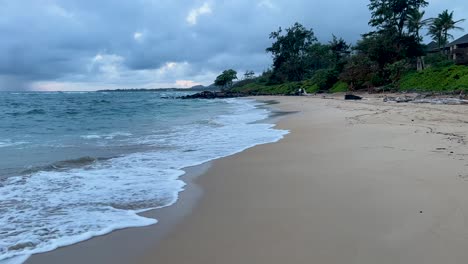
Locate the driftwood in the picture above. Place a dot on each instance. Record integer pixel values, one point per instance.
(403, 99)
(422, 100)
(448, 101)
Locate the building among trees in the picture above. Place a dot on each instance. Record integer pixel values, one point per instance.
(459, 50)
(456, 50)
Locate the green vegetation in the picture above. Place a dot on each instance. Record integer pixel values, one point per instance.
(441, 79)
(440, 27)
(339, 87)
(287, 88)
(225, 80)
(391, 56)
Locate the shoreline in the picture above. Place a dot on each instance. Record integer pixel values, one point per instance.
(114, 247)
(354, 182)
(101, 249)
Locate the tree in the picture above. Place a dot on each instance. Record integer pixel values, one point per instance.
(340, 50)
(290, 52)
(390, 42)
(249, 75)
(359, 72)
(319, 56)
(225, 79)
(440, 27)
(436, 32)
(416, 22)
(447, 23)
(392, 15)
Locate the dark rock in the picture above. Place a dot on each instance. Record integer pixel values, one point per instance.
(213, 95)
(352, 97)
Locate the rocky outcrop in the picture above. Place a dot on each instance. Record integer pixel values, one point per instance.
(213, 95)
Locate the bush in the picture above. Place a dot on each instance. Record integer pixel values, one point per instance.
(437, 60)
(289, 88)
(360, 72)
(339, 87)
(396, 70)
(258, 88)
(324, 79)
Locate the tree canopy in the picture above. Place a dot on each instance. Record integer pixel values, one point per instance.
(441, 26)
(290, 52)
(392, 15)
(225, 79)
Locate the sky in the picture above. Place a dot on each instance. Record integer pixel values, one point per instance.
(85, 45)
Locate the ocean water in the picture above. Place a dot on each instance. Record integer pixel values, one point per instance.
(78, 165)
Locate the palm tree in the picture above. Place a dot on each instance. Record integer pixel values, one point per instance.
(436, 31)
(416, 22)
(440, 27)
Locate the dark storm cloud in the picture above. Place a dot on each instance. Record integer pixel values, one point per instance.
(88, 44)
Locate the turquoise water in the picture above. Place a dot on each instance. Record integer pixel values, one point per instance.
(78, 165)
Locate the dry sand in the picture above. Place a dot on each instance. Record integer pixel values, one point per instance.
(354, 182)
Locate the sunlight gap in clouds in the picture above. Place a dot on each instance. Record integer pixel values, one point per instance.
(138, 36)
(193, 15)
(108, 71)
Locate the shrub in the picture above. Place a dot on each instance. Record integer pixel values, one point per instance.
(339, 87)
(437, 60)
(324, 79)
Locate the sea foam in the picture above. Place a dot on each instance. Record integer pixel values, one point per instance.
(49, 209)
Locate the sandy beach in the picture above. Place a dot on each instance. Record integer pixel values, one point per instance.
(354, 182)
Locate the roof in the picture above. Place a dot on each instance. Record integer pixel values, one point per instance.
(432, 46)
(462, 40)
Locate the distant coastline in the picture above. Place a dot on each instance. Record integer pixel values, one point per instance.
(197, 88)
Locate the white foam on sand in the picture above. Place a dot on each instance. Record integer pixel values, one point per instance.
(51, 209)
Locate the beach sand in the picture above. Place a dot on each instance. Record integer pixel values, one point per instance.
(354, 182)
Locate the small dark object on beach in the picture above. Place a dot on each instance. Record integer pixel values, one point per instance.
(352, 97)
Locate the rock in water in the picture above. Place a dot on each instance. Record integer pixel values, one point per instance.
(352, 97)
(213, 95)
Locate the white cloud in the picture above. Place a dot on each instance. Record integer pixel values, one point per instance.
(267, 4)
(138, 36)
(107, 66)
(193, 15)
(57, 10)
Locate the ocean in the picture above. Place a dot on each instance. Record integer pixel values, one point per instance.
(81, 164)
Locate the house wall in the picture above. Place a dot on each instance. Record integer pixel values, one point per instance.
(459, 53)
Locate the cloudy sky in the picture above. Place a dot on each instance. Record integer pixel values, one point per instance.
(105, 44)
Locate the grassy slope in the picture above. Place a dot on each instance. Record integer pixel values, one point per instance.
(440, 79)
(443, 79)
(283, 89)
